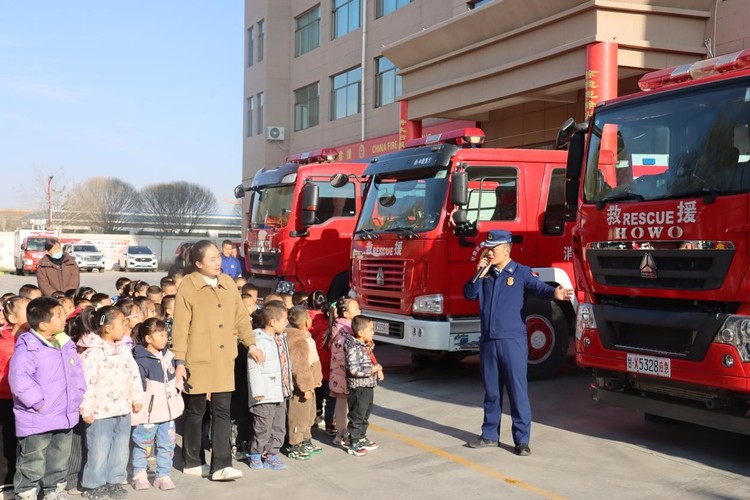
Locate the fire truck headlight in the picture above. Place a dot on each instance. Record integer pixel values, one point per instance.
(728, 361)
(28, 262)
(432, 304)
(727, 335)
(584, 319)
(736, 331)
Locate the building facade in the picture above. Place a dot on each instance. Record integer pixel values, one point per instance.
(332, 73)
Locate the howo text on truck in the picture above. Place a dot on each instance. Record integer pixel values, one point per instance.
(417, 242)
(662, 244)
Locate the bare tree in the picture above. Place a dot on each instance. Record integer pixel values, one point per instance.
(105, 204)
(177, 207)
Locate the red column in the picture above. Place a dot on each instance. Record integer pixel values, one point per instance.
(407, 129)
(601, 74)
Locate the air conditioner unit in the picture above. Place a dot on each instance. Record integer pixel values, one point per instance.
(274, 133)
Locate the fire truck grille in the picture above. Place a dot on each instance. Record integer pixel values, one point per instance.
(674, 269)
(263, 261)
(383, 274)
(382, 282)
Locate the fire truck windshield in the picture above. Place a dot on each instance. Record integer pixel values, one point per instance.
(401, 201)
(686, 143)
(271, 206)
(35, 244)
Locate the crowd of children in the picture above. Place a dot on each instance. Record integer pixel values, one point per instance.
(88, 385)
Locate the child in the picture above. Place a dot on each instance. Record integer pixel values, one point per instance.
(317, 302)
(306, 376)
(114, 390)
(133, 316)
(269, 386)
(340, 315)
(300, 298)
(30, 291)
(14, 312)
(168, 286)
(250, 302)
(100, 299)
(154, 294)
(121, 285)
(147, 307)
(361, 378)
(168, 304)
(154, 423)
(47, 383)
(240, 282)
(286, 289)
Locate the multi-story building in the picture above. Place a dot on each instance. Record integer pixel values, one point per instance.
(332, 73)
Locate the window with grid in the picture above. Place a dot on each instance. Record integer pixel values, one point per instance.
(250, 45)
(250, 116)
(306, 106)
(387, 82)
(261, 39)
(345, 17)
(307, 31)
(385, 7)
(261, 102)
(345, 93)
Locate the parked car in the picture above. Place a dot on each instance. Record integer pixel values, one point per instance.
(87, 256)
(136, 258)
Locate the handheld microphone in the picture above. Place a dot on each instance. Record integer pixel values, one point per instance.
(480, 272)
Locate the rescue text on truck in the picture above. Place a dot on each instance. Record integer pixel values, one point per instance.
(662, 244)
(427, 210)
(300, 221)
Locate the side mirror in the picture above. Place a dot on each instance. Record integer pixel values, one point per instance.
(573, 173)
(339, 180)
(463, 226)
(310, 198)
(565, 134)
(239, 191)
(460, 189)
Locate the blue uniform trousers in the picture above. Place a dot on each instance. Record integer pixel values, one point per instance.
(503, 363)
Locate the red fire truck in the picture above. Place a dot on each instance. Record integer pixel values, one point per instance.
(28, 248)
(417, 242)
(662, 244)
(300, 222)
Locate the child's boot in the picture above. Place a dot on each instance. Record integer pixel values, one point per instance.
(297, 452)
(140, 480)
(28, 494)
(273, 462)
(164, 483)
(255, 461)
(311, 448)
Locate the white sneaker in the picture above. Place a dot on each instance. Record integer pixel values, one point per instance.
(200, 471)
(226, 474)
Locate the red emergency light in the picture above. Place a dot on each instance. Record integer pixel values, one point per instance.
(315, 156)
(695, 71)
(459, 137)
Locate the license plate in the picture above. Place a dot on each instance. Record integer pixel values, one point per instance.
(651, 365)
(381, 327)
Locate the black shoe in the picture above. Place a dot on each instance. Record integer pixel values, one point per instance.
(100, 493)
(523, 450)
(116, 491)
(480, 442)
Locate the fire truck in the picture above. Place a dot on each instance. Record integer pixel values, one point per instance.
(662, 244)
(29, 248)
(300, 222)
(418, 239)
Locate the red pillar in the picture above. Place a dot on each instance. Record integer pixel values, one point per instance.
(407, 129)
(601, 74)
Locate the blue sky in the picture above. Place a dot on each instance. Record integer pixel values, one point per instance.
(146, 91)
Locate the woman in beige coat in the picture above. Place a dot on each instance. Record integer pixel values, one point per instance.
(209, 317)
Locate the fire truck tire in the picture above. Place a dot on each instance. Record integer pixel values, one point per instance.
(339, 287)
(548, 337)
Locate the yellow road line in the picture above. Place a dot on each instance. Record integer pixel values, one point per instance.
(467, 463)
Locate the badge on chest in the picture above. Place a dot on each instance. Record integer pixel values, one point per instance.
(509, 281)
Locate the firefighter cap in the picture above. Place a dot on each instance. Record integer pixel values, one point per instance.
(497, 237)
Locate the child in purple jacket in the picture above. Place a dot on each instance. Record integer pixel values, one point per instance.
(47, 382)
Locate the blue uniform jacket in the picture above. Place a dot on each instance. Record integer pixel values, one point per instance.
(231, 266)
(502, 299)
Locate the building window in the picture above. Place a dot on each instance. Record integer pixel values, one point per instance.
(307, 33)
(261, 103)
(345, 17)
(250, 116)
(345, 93)
(306, 106)
(387, 82)
(385, 7)
(261, 39)
(250, 45)
(477, 3)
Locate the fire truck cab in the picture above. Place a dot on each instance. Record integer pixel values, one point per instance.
(300, 222)
(661, 247)
(417, 242)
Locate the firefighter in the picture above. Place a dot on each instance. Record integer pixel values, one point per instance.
(502, 286)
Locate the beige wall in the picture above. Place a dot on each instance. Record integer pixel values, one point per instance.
(516, 66)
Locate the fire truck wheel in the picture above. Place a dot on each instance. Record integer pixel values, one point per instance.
(548, 337)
